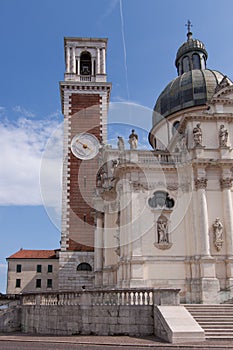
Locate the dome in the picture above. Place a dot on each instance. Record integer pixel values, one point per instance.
(193, 88)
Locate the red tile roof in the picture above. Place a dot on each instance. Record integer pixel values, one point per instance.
(33, 254)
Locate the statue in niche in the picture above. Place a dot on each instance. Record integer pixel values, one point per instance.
(120, 143)
(223, 136)
(162, 229)
(197, 135)
(218, 234)
(133, 140)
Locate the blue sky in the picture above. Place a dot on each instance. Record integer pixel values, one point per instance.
(143, 40)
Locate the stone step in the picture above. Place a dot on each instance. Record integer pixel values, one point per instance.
(206, 314)
(206, 324)
(219, 325)
(216, 320)
(222, 330)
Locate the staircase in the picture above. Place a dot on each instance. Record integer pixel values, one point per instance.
(215, 319)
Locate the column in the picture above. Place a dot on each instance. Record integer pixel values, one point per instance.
(209, 284)
(92, 66)
(98, 61)
(78, 64)
(99, 249)
(201, 184)
(104, 61)
(67, 59)
(226, 184)
(73, 61)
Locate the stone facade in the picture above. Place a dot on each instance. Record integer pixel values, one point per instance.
(32, 271)
(197, 182)
(152, 219)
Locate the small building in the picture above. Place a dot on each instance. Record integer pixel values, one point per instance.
(32, 271)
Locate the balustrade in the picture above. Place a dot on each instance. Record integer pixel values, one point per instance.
(96, 297)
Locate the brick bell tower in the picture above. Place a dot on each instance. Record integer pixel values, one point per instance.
(85, 96)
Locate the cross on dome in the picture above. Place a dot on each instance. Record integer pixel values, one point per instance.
(189, 25)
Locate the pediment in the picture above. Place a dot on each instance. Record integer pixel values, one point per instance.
(223, 96)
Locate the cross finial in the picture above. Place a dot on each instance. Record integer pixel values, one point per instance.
(189, 25)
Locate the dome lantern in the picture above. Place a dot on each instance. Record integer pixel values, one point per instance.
(191, 55)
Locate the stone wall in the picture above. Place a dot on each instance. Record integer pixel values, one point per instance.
(10, 319)
(133, 312)
(100, 312)
(98, 320)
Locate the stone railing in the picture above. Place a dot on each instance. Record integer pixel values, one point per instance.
(76, 77)
(105, 297)
(155, 157)
(143, 157)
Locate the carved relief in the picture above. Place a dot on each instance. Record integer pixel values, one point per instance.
(117, 235)
(201, 183)
(197, 135)
(223, 136)
(226, 183)
(218, 234)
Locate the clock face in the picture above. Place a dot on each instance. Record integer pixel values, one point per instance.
(85, 146)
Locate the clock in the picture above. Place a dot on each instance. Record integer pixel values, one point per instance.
(85, 146)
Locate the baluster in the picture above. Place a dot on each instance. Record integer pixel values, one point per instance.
(143, 298)
(150, 298)
(125, 298)
(122, 298)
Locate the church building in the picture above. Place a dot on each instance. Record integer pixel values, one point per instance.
(160, 218)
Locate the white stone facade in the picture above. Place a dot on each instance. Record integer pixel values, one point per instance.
(198, 180)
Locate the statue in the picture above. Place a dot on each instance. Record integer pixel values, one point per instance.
(120, 143)
(197, 135)
(223, 136)
(218, 234)
(162, 231)
(133, 140)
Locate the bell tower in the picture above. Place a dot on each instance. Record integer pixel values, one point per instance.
(85, 96)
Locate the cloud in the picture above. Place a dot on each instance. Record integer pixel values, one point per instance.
(23, 111)
(3, 266)
(56, 114)
(22, 145)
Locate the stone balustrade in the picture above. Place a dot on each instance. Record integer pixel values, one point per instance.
(144, 157)
(144, 297)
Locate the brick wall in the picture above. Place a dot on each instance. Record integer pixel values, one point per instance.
(85, 117)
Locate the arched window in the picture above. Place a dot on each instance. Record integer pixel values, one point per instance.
(84, 267)
(186, 65)
(196, 61)
(175, 126)
(85, 63)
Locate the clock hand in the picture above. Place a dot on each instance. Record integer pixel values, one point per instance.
(84, 145)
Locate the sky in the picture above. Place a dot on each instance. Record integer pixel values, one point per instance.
(143, 38)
